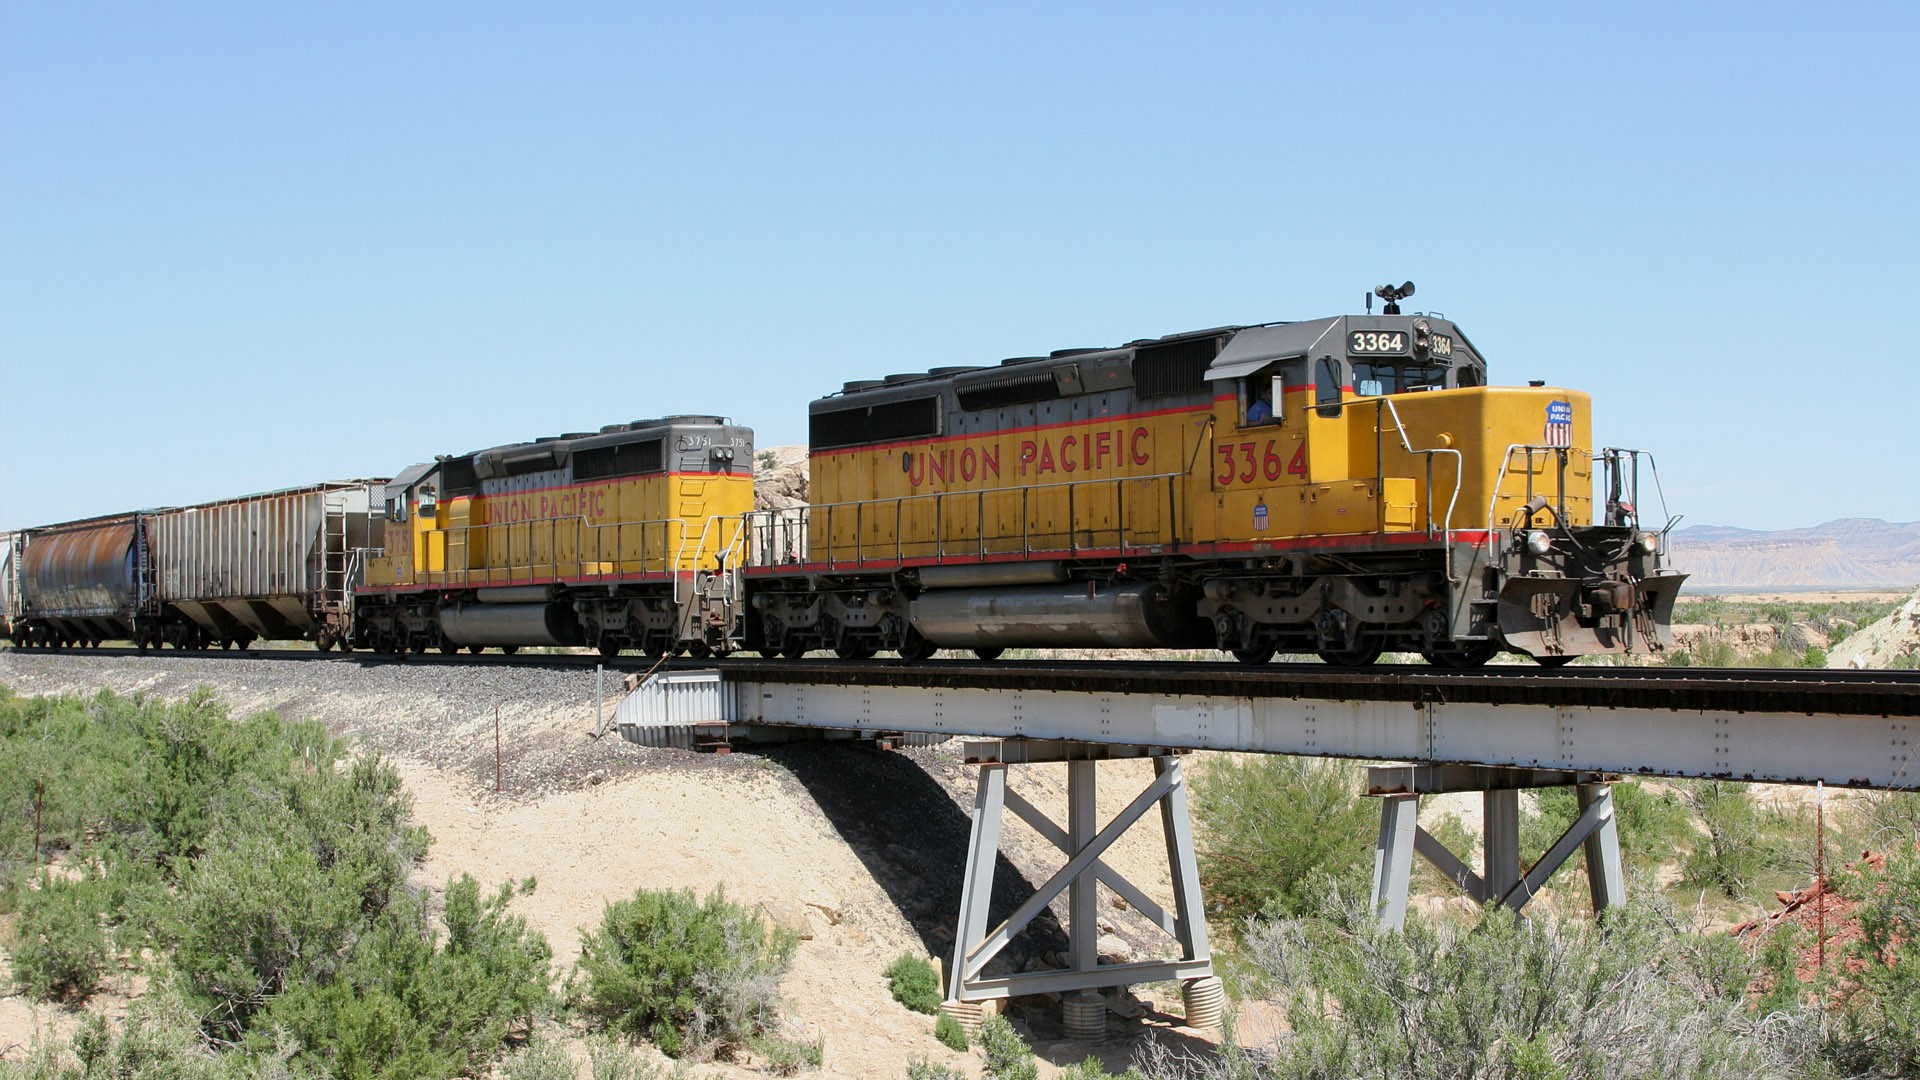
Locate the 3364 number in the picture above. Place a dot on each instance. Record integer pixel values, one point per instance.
(1244, 463)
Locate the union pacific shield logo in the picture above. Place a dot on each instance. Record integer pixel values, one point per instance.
(1559, 423)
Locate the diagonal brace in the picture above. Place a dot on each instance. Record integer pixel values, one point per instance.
(1045, 826)
(1455, 869)
(1596, 815)
(1055, 885)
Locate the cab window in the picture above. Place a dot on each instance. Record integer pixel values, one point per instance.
(1260, 398)
(1372, 379)
(1327, 386)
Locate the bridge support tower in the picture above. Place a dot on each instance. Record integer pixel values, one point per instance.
(1083, 840)
(1399, 788)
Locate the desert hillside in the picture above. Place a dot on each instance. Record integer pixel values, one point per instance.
(1850, 553)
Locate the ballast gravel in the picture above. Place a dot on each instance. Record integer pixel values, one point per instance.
(426, 709)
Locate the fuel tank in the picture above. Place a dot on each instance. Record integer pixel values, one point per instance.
(1133, 615)
(509, 624)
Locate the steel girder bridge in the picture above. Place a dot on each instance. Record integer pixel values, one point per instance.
(1495, 731)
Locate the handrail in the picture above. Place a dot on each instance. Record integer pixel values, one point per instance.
(791, 522)
(1506, 463)
(503, 573)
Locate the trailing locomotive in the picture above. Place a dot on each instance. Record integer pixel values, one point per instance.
(1342, 486)
(622, 539)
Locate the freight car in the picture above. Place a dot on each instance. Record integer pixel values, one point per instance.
(628, 538)
(7, 588)
(277, 565)
(1340, 486)
(81, 582)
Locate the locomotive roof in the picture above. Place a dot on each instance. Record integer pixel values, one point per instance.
(1245, 349)
(558, 448)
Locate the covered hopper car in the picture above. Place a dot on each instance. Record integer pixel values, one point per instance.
(7, 587)
(1341, 486)
(278, 565)
(81, 582)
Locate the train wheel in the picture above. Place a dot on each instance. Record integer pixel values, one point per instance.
(988, 654)
(1553, 661)
(699, 650)
(855, 651)
(448, 648)
(769, 653)
(1358, 656)
(1470, 654)
(1255, 656)
(474, 650)
(794, 652)
(509, 650)
(609, 649)
(917, 648)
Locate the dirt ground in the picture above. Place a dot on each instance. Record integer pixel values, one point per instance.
(861, 850)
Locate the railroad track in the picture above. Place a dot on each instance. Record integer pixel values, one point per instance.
(1813, 692)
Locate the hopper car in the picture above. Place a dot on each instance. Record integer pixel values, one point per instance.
(1341, 486)
(6, 585)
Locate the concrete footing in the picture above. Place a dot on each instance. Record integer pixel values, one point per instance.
(1206, 1001)
(1083, 1014)
(968, 1014)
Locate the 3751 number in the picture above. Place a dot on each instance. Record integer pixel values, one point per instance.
(1244, 463)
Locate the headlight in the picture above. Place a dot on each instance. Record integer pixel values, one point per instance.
(1539, 543)
(1650, 543)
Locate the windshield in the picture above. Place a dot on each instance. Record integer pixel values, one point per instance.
(1372, 378)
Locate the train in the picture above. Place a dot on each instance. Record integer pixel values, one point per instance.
(1343, 487)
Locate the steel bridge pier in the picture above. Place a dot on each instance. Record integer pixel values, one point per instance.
(1083, 840)
(1399, 788)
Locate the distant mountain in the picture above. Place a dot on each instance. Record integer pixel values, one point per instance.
(1850, 553)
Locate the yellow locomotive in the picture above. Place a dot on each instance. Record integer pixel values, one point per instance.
(624, 538)
(1341, 486)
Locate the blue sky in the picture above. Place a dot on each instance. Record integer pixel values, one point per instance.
(246, 246)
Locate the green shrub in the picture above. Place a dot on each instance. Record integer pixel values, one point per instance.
(950, 1033)
(539, 1061)
(780, 1056)
(1273, 829)
(1877, 1031)
(1493, 996)
(1008, 1055)
(402, 1006)
(609, 1058)
(922, 1069)
(693, 977)
(914, 983)
(61, 952)
(1736, 849)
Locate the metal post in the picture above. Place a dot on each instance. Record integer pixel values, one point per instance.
(1082, 902)
(1605, 881)
(1393, 858)
(976, 888)
(1502, 829)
